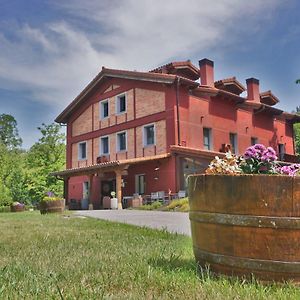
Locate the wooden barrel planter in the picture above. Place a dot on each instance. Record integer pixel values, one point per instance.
(17, 208)
(247, 224)
(56, 206)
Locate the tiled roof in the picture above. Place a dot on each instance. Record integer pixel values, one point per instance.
(231, 84)
(268, 98)
(178, 66)
(195, 151)
(107, 165)
(114, 73)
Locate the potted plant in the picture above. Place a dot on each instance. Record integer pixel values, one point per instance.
(51, 204)
(245, 216)
(17, 207)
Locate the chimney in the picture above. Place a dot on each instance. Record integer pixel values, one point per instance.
(206, 72)
(253, 89)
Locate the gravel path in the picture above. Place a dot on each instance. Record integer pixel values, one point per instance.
(175, 222)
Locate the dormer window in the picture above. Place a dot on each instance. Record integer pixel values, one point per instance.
(121, 104)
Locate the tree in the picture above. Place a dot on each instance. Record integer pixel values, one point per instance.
(44, 157)
(297, 133)
(9, 135)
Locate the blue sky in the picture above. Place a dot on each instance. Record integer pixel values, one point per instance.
(49, 50)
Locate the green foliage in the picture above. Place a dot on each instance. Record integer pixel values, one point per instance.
(24, 175)
(297, 132)
(9, 135)
(44, 157)
(49, 199)
(179, 205)
(4, 209)
(152, 206)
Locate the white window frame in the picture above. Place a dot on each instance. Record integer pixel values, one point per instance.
(235, 143)
(137, 176)
(100, 145)
(145, 137)
(101, 103)
(209, 137)
(79, 151)
(118, 112)
(118, 143)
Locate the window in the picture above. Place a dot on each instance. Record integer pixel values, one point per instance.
(121, 141)
(233, 142)
(149, 135)
(140, 184)
(281, 151)
(104, 145)
(104, 109)
(121, 104)
(207, 138)
(254, 141)
(82, 150)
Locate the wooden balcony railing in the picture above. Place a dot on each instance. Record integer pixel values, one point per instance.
(289, 158)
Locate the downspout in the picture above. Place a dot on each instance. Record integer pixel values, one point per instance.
(177, 111)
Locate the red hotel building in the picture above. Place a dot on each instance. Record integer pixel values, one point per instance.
(144, 132)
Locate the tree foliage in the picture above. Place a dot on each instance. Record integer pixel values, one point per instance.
(9, 135)
(44, 157)
(24, 175)
(297, 133)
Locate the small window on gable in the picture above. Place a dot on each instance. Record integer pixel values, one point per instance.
(149, 135)
(104, 145)
(207, 144)
(121, 141)
(121, 104)
(104, 109)
(82, 151)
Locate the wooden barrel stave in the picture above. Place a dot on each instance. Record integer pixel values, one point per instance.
(243, 235)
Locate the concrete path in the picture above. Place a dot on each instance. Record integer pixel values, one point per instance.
(174, 222)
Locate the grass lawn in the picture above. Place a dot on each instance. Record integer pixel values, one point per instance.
(51, 257)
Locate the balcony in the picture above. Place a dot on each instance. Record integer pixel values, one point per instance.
(289, 158)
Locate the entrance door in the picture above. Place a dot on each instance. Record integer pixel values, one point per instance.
(107, 186)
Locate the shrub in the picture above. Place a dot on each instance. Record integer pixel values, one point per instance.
(179, 205)
(152, 206)
(4, 209)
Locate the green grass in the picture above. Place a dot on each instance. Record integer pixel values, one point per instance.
(51, 257)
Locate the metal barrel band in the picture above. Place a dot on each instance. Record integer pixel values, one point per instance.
(248, 263)
(246, 220)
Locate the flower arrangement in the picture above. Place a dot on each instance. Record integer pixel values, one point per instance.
(51, 197)
(257, 159)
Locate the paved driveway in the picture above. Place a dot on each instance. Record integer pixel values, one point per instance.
(174, 222)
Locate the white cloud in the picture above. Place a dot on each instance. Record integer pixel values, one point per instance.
(55, 61)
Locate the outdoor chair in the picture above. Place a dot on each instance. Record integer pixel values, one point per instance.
(181, 194)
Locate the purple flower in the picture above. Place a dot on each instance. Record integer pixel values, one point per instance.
(269, 155)
(290, 170)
